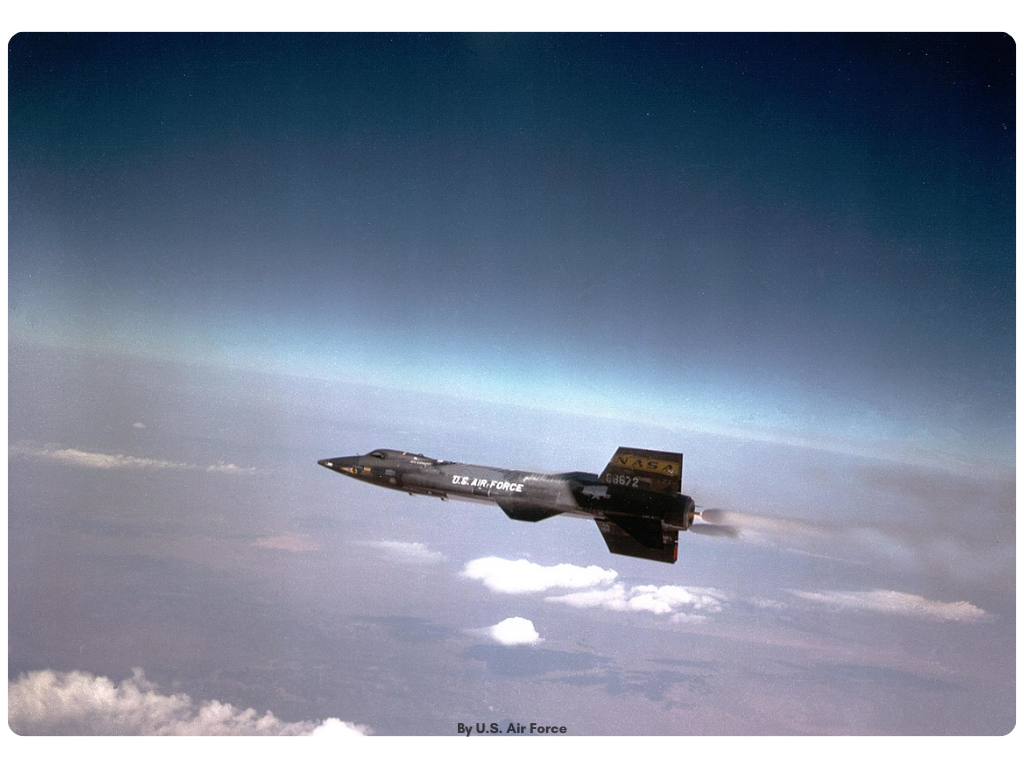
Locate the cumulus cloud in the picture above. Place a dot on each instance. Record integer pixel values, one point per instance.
(94, 460)
(521, 576)
(514, 631)
(653, 599)
(78, 703)
(332, 726)
(289, 542)
(594, 587)
(895, 603)
(412, 552)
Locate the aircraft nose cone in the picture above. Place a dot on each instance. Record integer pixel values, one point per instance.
(340, 464)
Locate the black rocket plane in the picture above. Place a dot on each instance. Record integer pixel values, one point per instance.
(637, 502)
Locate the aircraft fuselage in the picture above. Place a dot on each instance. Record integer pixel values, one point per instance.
(636, 495)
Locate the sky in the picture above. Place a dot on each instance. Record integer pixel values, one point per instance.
(790, 257)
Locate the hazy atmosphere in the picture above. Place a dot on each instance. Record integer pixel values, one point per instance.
(789, 257)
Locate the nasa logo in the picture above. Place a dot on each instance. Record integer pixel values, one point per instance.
(642, 464)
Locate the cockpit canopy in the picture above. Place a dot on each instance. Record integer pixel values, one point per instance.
(386, 453)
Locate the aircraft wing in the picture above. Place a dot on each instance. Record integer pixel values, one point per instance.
(635, 537)
(530, 513)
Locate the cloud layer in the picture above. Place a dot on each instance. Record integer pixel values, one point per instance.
(78, 703)
(895, 603)
(75, 457)
(412, 552)
(289, 542)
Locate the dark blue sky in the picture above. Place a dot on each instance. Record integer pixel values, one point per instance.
(807, 238)
(230, 256)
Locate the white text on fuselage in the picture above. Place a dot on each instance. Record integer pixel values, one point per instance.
(491, 485)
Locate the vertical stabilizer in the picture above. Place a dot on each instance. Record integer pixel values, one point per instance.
(653, 471)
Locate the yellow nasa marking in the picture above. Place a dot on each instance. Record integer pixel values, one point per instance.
(643, 464)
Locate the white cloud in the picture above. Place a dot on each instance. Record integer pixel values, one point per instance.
(407, 551)
(764, 602)
(660, 600)
(332, 726)
(895, 603)
(289, 542)
(520, 576)
(78, 703)
(95, 460)
(514, 631)
(231, 469)
(76, 457)
(138, 425)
